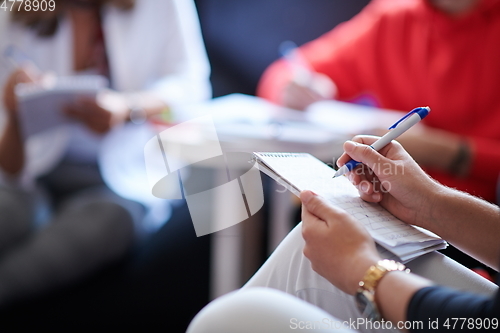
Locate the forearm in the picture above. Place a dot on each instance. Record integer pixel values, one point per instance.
(394, 293)
(442, 309)
(443, 149)
(437, 149)
(11, 148)
(461, 156)
(469, 223)
(426, 307)
(485, 159)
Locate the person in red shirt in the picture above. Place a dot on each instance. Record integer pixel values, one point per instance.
(400, 54)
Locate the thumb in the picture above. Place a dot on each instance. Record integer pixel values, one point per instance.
(318, 206)
(365, 154)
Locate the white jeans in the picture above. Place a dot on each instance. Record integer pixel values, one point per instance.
(289, 271)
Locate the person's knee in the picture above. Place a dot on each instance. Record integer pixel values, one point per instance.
(115, 221)
(116, 227)
(16, 219)
(260, 310)
(102, 228)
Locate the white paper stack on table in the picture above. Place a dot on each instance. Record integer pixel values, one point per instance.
(41, 105)
(301, 171)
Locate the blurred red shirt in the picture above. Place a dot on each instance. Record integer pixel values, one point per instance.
(404, 54)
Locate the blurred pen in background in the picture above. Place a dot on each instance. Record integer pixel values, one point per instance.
(21, 62)
(300, 67)
(23, 70)
(18, 59)
(307, 86)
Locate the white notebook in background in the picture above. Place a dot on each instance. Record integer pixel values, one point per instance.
(301, 171)
(41, 107)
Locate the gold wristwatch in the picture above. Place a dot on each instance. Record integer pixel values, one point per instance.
(365, 295)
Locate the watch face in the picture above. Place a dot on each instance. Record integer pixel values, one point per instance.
(366, 305)
(137, 115)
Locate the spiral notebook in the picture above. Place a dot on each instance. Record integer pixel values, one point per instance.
(41, 106)
(301, 171)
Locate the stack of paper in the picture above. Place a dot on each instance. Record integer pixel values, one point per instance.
(300, 171)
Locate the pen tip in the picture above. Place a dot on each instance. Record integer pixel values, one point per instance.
(341, 171)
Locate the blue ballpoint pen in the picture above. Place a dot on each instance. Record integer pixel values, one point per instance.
(401, 126)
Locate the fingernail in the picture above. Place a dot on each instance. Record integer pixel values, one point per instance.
(376, 196)
(305, 196)
(364, 187)
(349, 146)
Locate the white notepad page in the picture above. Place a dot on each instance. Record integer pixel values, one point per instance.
(301, 171)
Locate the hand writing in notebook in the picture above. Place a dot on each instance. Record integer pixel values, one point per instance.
(337, 241)
(11, 147)
(306, 86)
(341, 250)
(304, 172)
(23, 74)
(391, 178)
(23, 71)
(338, 237)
